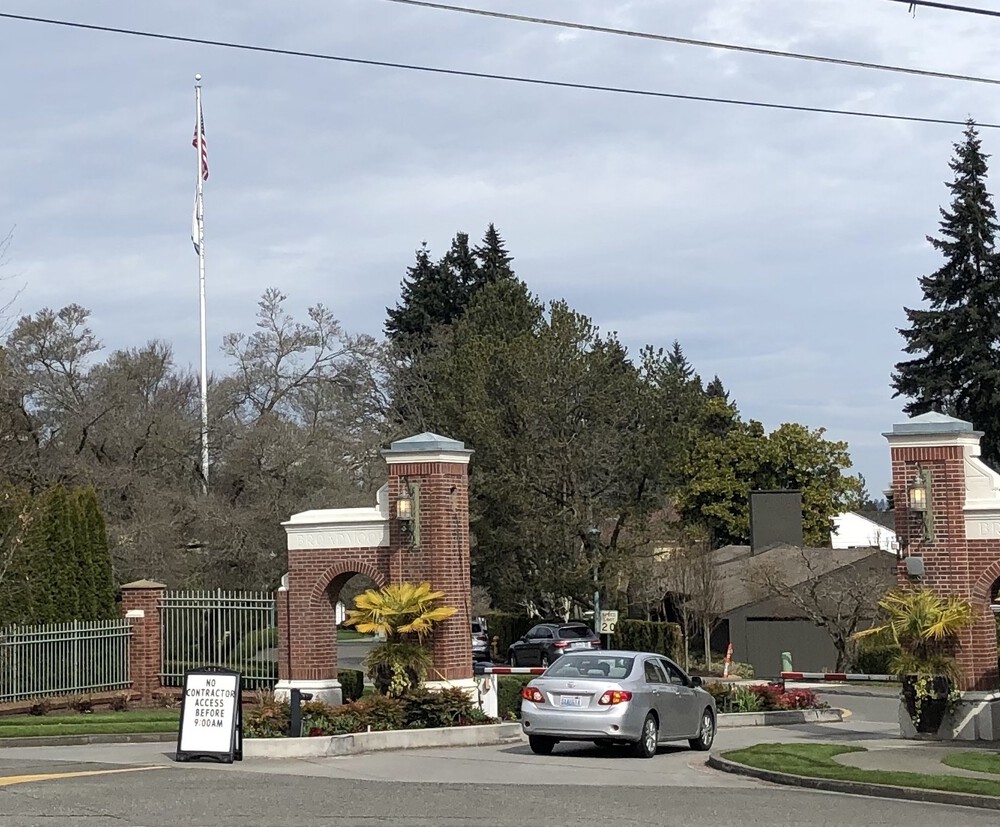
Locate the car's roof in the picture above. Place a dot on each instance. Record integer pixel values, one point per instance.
(561, 624)
(615, 653)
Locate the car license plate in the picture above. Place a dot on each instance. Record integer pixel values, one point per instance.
(579, 646)
(571, 700)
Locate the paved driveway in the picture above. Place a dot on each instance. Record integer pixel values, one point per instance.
(500, 786)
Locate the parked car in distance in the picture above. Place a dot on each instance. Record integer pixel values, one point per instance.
(617, 698)
(547, 641)
(480, 642)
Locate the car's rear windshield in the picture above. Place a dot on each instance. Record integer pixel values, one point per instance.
(476, 628)
(595, 667)
(575, 631)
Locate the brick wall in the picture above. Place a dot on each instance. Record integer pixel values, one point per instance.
(443, 556)
(954, 565)
(316, 576)
(307, 634)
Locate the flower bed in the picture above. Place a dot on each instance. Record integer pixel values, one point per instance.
(762, 697)
(416, 709)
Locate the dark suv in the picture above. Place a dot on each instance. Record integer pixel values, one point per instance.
(547, 641)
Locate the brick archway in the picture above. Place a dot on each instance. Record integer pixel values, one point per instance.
(982, 591)
(328, 545)
(321, 588)
(952, 547)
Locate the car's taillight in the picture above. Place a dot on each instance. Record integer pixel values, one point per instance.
(596, 644)
(561, 644)
(529, 693)
(615, 696)
(483, 638)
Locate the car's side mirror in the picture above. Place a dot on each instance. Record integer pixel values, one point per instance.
(696, 681)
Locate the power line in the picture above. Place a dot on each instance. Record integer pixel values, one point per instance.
(948, 7)
(590, 87)
(709, 44)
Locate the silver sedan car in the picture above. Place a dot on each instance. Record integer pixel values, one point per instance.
(616, 698)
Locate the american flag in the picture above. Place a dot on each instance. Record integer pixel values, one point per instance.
(204, 145)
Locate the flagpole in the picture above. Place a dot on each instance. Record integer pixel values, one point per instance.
(201, 289)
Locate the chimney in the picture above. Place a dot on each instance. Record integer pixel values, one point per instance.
(775, 519)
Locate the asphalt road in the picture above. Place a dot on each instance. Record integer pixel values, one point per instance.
(352, 653)
(497, 786)
(500, 786)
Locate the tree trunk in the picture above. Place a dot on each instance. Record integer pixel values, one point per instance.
(841, 646)
(706, 633)
(687, 641)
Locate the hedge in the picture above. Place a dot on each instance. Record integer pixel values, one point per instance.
(874, 659)
(509, 695)
(649, 636)
(507, 628)
(352, 684)
(59, 566)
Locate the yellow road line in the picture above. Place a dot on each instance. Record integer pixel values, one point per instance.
(24, 779)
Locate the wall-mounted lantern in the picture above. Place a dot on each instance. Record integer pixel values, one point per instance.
(918, 493)
(919, 499)
(408, 512)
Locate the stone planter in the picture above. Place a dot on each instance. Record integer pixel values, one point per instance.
(928, 713)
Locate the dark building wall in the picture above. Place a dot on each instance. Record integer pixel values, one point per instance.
(761, 632)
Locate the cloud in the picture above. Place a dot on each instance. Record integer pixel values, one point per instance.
(778, 247)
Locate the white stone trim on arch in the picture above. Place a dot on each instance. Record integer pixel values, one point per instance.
(341, 527)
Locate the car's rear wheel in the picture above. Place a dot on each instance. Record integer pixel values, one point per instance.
(541, 744)
(545, 660)
(645, 747)
(706, 732)
(512, 657)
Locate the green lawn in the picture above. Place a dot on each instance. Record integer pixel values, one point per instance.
(98, 723)
(816, 761)
(976, 761)
(350, 634)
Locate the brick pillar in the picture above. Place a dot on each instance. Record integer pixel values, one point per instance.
(965, 528)
(141, 607)
(438, 467)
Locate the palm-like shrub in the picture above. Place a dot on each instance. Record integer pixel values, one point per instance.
(924, 625)
(404, 613)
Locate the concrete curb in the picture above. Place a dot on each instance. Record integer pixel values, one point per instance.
(783, 717)
(856, 787)
(334, 745)
(83, 740)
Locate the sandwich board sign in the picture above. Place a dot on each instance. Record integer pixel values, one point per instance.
(211, 718)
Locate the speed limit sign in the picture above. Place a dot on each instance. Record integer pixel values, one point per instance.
(608, 621)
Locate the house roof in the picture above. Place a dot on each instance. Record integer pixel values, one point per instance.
(886, 519)
(736, 566)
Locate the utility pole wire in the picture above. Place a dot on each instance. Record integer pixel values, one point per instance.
(709, 44)
(437, 70)
(947, 7)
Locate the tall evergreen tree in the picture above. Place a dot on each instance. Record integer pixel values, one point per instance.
(956, 338)
(494, 260)
(461, 269)
(101, 574)
(431, 296)
(64, 571)
(716, 390)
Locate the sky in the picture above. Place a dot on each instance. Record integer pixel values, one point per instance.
(779, 248)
